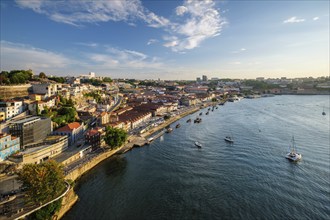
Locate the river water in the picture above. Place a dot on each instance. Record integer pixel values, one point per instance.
(250, 179)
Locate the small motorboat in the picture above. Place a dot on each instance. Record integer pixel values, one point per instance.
(229, 139)
(199, 145)
(189, 120)
(201, 113)
(169, 130)
(177, 126)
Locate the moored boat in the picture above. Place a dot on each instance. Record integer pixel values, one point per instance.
(169, 130)
(293, 155)
(199, 145)
(229, 139)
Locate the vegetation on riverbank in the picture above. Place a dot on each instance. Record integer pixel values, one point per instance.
(115, 137)
(42, 182)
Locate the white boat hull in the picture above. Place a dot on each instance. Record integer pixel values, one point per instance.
(293, 156)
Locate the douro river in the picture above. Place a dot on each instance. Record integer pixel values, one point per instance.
(249, 179)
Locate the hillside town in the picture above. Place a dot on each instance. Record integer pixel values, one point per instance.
(66, 120)
(36, 123)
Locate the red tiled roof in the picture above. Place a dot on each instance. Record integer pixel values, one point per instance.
(103, 114)
(69, 127)
(92, 132)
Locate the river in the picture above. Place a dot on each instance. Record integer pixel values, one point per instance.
(250, 179)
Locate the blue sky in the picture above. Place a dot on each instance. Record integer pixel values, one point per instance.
(166, 39)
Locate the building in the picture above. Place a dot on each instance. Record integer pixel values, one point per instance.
(204, 78)
(46, 89)
(93, 138)
(104, 118)
(74, 131)
(91, 75)
(11, 108)
(30, 129)
(8, 146)
(2, 116)
(198, 79)
(49, 148)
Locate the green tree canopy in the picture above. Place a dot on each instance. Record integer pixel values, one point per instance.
(115, 137)
(42, 75)
(43, 182)
(15, 77)
(107, 79)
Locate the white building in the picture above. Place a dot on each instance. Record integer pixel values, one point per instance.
(90, 75)
(11, 108)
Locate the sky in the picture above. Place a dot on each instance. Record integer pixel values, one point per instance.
(170, 40)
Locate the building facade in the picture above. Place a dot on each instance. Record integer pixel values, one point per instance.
(8, 145)
(11, 108)
(30, 129)
(74, 131)
(51, 147)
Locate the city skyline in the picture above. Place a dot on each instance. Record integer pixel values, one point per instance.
(167, 39)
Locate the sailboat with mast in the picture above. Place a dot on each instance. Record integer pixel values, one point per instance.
(323, 113)
(293, 155)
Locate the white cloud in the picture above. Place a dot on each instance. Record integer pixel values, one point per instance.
(88, 44)
(113, 58)
(203, 21)
(152, 41)
(76, 13)
(294, 20)
(180, 10)
(155, 21)
(20, 56)
(316, 18)
(239, 51)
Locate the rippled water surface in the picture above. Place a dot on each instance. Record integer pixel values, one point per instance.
(250, 179)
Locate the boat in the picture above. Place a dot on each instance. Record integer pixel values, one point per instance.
(149, 140)
(177, 126)
(197, 120)
(199, 145)
(207, 113)
(293, 155)
(189, 120)
(201, 113)
(169, 130)
(229, 139)
(323, 113)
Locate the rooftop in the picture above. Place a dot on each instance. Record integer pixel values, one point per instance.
(69, 127)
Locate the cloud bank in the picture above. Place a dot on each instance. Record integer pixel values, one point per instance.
(192, 23)
(77, 13)
(293, 20)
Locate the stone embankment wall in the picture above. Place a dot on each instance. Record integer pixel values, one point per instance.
(8, 92)
(67, 202)
(75, 174)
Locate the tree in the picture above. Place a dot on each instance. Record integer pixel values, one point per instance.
(115, 137)
(42, 75)
(43, 182)
(166, 117)
(107, 79)
(47, 212)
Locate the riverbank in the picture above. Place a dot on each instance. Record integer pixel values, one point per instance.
(134, 141)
